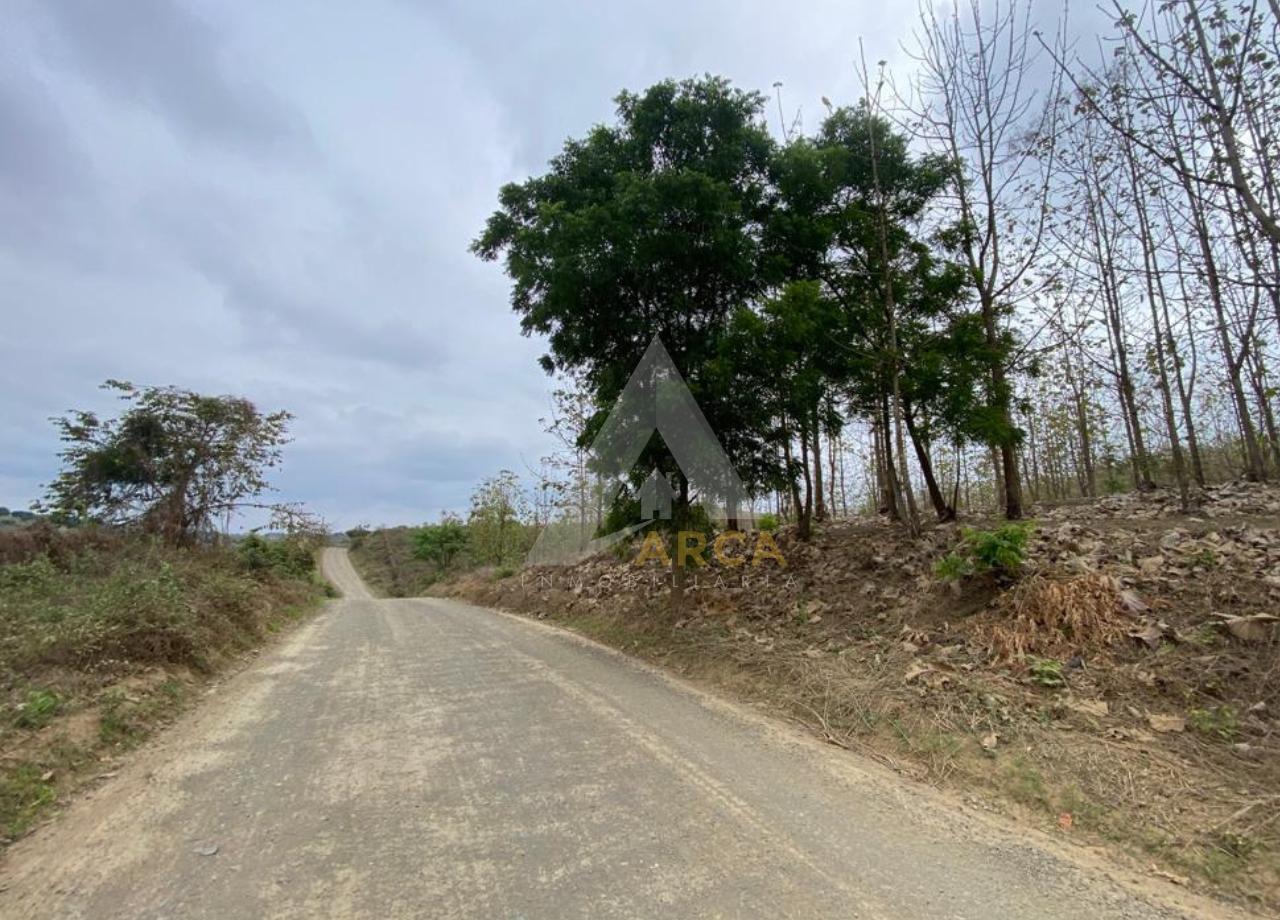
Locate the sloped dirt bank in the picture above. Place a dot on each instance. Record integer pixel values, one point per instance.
(1122, 691)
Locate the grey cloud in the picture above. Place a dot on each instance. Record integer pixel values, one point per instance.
(162, 55)
(275, 200)
(45, 178)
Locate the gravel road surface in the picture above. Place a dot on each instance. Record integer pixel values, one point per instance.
(425, 758)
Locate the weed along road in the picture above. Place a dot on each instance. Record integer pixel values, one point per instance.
(423, 758)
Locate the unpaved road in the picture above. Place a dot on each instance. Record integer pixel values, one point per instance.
(422, 758)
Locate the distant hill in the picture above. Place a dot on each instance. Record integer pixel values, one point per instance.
(15, 518)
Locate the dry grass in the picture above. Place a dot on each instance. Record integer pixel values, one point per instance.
(23, 544)
(1054, 617)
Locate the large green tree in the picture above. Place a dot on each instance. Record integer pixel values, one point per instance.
(647, 226)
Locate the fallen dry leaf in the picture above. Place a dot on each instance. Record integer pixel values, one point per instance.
(1165, 724)
(1151, 635)
(1256, 627)
(1132, 602)
(1096, 708)
(916, 670)
(1065, 821)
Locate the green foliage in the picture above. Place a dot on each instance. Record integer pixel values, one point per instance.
(440, 543)
(1025, 783)
(114, 724)
(90, 611)
(952, 566)
(1220, 722)
(1002, 551)
(172, 463)
(1206, 558)
(1047, 672)
(749, 260)
(289, 556)
(496, 530)
(768, 522)
(647, 226)
(386, 561)
(38, 709)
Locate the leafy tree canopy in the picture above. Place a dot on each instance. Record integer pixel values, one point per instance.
(440, 543)
(172, 463)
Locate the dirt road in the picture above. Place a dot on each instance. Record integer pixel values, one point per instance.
(423, 758)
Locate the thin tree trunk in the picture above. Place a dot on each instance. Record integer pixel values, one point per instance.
(944, 511)
(1155, 296)
(831, 474)
(1255, 468)
(820, 504)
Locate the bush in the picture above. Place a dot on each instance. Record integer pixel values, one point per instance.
(24, 792)
(768, 522)
(1047, 672)
(290, 557)
(440, 543)
(1221, 722)
(59, 544)
(1001, 551)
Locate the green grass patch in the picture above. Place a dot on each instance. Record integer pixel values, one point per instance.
(37, 710)
(1221, 723)
(24, 794)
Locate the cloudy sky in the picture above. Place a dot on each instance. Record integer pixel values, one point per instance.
(276, 199)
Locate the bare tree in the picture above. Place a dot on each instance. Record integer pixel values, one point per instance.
(975, 100)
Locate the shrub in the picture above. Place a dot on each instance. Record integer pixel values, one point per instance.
(1047, 672)
(1001, 551)
(440, 543)
(768, 522)
(290, 557)
(23, 794)
(1221, 722)
(139, 601)
(59, 544)
(1055, 616)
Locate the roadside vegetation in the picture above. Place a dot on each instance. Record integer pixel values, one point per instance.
(119, 601)
(494, 538)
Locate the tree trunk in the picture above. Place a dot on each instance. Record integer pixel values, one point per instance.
(1255, 468)
(680, 520)
(832, 442)
(944, 511)
(820, 504)
(1155, 297)
(1010, 481)
(806, 511)
(884, 461)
